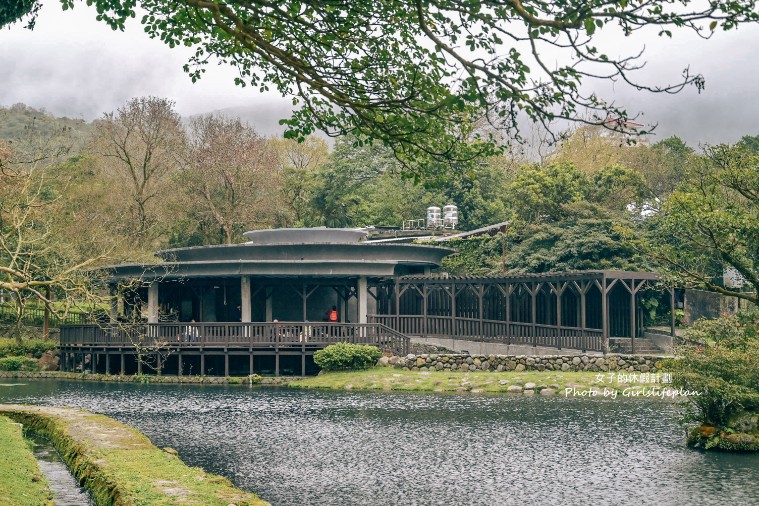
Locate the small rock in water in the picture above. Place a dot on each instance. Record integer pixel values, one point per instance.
(514, 389)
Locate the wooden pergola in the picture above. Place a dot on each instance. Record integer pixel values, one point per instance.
(578, 310)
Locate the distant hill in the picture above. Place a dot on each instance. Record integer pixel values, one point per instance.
(264, 118)
(16, 120)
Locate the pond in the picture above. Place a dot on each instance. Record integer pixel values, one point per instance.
(296, 447)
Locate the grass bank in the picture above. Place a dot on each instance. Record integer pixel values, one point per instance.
(119, 465)
(512, 382)
(21, 481)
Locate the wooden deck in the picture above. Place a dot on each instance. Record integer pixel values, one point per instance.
(92, 347)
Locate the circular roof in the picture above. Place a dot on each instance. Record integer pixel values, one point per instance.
(317, 235)
(292, 252)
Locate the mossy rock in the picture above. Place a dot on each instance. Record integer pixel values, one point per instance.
(706, 437)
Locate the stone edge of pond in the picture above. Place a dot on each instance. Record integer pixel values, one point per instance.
(84, 439)
(19, 464)
(146, 378)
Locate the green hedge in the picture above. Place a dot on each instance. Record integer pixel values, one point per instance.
(27, 347)
(18, 364)
(347, 357)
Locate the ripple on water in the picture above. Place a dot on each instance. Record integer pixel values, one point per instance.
(308, 447)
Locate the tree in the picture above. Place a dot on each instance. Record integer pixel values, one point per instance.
(231, 176)
(750, 142)
(711, 223)
(299, 162)
(37, 263)
(140, 145)
(415, 76)
(539, 194)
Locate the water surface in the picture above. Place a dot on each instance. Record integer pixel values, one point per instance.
(297, 447)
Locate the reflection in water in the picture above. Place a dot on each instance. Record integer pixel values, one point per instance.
(66, 490)
(307, 447)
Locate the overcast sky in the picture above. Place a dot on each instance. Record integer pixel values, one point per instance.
(72, 65)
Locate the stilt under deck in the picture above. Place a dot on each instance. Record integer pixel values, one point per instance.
(217, 349)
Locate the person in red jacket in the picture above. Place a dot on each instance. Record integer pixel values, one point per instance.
(332, 315)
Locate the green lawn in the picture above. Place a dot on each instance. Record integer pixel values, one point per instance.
(120, 462)
(389, 379)
(21, 481)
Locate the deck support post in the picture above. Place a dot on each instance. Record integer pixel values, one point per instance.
(107, 363)
(179, 364)
(122, 372)
(202, 364)
(226, 363)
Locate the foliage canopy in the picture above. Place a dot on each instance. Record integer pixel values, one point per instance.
(416, 76)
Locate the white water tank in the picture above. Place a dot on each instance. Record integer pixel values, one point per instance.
(433, 217)
(450, 216)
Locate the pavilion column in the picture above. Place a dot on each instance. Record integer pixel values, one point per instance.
(269, 314)
(245, 298)
(342, 306)
(153, 303)
(363, 298)
(114, 311)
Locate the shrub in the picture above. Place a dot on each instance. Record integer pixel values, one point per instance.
(28, 347)
(18, 364)
(347, 357)
(724, 369)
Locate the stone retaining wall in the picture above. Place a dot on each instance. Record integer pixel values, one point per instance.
(465, 363)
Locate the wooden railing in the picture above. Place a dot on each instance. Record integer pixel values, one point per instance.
(233, 335)
(494, 331)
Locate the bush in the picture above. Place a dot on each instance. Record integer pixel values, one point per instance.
(347, 357)
(724, 369)
(18, 364)
(28, 347)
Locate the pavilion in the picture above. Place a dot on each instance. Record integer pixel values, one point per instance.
(260, 306)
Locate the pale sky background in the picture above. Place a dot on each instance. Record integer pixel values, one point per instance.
(75, 66)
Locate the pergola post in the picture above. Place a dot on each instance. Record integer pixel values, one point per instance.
(534, 310)
(153, 302)
(604, 316)
(397, 295)
(425, 308)
(245, 297)
(672, 313)
(480, 301)
(508, 313)
(559, 295)
(454, 328)
(632, 315)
